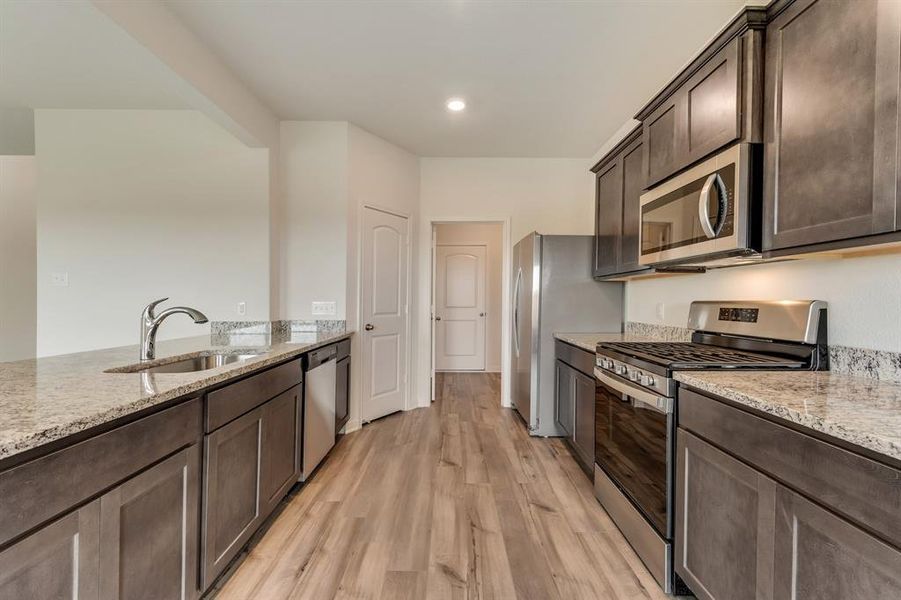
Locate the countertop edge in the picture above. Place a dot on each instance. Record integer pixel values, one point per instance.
(58, 433)
(866, 441)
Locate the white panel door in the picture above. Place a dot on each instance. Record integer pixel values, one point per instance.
(384, 313)
(460, 308)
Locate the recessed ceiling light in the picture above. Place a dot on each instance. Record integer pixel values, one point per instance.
(455, 104)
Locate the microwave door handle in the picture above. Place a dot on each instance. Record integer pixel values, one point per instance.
(703, 204)
(639, 395)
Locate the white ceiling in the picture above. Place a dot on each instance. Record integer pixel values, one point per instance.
(67, 54)
(540, 78)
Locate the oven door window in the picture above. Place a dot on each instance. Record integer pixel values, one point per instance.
(696, 212)
(631, 446)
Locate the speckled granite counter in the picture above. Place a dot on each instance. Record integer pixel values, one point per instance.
(858, 410)
(589, 341)
(47, 399)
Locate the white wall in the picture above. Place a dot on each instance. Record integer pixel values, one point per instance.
(136, 205)
(548, 195)
(314, 167)
(491, 235)
(18, 257)
(330, 171)
(384, 176)
(864, 295)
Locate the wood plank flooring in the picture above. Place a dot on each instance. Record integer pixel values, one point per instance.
(451, 501)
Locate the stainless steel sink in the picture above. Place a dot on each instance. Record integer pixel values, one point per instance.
(187, 365)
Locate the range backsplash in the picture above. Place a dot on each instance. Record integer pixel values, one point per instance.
(232, 332)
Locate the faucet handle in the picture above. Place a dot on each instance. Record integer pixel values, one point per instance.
(148, 310)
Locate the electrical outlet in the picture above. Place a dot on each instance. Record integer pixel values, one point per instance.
(59, 279)
(661, 311)
(324, 309)
(242, 308)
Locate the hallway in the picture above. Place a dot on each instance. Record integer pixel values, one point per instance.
(451, 501)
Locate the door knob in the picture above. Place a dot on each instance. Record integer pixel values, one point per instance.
(482, 314)
(369, 327)
(437, 318)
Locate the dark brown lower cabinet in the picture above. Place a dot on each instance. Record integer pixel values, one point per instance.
(250, 463)
(821, 555)
(149, 535)
(583, 428)
(723, 519)
(138, 540)
(231, 505)
(574, 401)
(61, 560)
(741, 535)
(281, 446)
(564, 413)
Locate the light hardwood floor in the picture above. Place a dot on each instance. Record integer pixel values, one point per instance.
(451, 501)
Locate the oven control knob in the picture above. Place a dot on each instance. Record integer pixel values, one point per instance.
(622, 370)
(635, 375)
(648, 380)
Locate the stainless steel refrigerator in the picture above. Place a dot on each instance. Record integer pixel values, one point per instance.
(553, 291)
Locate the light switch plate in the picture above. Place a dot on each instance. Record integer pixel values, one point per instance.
(324, 309)
(59, 279)
(242, 308)
(661, 311)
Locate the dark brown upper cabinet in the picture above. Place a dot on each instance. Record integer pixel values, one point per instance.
(617, 210)
(714, 102)
(831, 124)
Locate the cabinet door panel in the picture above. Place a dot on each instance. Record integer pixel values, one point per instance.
(149, 532)
(608, 219)
(820, 555)
(633, 184)
(59, 561)
(563, 396)
(832, 73)
(583, 434)
(281, 436)
(663, 141)
(713, 109)
(232, 504)
(723, 523)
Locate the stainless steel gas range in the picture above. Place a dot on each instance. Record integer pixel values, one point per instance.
(637, 406)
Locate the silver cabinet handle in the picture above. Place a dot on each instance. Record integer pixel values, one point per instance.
(703, 206)
(369, 327)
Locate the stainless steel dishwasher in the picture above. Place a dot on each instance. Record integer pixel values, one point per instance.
(320, 380)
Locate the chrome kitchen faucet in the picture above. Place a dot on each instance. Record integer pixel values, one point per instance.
(150, 323)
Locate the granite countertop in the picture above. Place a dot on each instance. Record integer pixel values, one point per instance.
(47, 399)
(859, 410)
(589, 341)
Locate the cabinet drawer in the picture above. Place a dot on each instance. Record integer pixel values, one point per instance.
(232, 401)
(577, 358)
(37, 491)
(862, 489)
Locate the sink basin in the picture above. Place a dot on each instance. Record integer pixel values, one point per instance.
(187, 365)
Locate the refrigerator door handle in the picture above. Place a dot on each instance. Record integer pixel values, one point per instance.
(517, 289)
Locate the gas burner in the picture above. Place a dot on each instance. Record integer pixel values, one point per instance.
(691, 355)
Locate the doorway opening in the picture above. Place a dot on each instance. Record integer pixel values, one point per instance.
(467, 297)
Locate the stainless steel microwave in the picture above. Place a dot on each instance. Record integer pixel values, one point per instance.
(705, 216)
